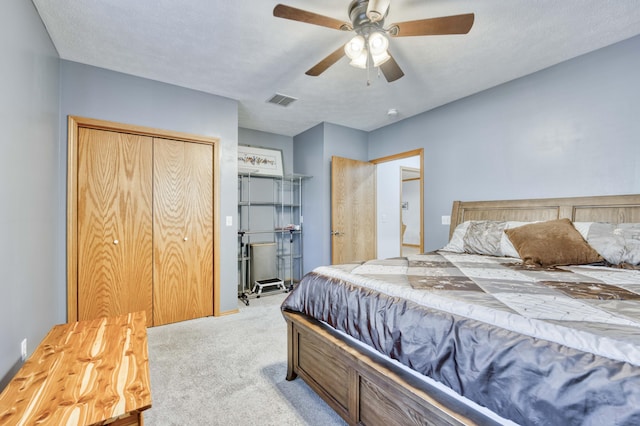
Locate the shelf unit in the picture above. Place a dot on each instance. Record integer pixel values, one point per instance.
(270, 211)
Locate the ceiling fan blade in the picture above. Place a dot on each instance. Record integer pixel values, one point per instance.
(391, 70)
(288, 12)
(457, 24)
(324, 64)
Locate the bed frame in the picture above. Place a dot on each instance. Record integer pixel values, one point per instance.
(365, 388)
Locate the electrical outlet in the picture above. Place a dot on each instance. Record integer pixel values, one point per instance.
(23, 349)
(446, 220)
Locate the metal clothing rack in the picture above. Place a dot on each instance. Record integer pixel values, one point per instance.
(278, 218)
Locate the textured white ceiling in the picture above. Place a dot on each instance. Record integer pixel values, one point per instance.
(237, 49)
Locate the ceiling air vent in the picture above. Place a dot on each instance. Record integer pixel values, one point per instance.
(282, 100)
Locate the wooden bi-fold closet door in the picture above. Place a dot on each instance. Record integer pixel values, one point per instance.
(183, 231)
(115, 227)
(141, 223)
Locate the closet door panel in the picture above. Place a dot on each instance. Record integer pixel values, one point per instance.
(183, 230)
(115, 252)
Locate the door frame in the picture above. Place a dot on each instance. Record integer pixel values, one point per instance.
(404, 169)
(414, 153)
(74, 123)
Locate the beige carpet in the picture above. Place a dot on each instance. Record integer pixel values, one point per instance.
(229, 371)
(409, 250)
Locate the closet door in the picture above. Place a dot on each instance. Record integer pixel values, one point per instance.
(114, 224)
(183, 231)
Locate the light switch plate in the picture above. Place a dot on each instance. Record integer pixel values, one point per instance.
(229, 220)
(446, 220)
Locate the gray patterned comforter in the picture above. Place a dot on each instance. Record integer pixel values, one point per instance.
(557, 346)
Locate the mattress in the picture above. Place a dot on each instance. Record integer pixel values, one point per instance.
(534, 345)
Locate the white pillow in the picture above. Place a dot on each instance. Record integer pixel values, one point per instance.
(483, 237)
(617, 244)
(456, 244)
(583, 228)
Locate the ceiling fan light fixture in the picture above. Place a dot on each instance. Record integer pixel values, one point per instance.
(378, 43)
(361, 60)
(355, 47)
(380, 59)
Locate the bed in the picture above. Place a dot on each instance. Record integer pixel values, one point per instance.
(451, 337)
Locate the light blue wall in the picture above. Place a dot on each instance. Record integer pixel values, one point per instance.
(569, 130)
(31, 280)
(308, 159)
(313, 150)
(106, 95)
(345, 142)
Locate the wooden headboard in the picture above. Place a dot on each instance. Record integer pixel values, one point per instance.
(606, 208)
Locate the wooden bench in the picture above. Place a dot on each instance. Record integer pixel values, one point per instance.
(84, 373)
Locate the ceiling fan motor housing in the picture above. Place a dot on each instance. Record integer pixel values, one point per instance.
(361, 22)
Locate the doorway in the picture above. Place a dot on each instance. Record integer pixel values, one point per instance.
(392, 211)
(366, 206)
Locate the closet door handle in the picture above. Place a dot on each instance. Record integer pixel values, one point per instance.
(185, 238)
(115, 242)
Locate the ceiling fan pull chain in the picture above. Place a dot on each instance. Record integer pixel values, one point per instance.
(368, 69)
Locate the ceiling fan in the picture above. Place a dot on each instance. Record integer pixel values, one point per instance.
(369, 47)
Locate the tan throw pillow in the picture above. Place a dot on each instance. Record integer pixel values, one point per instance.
(552, 243)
